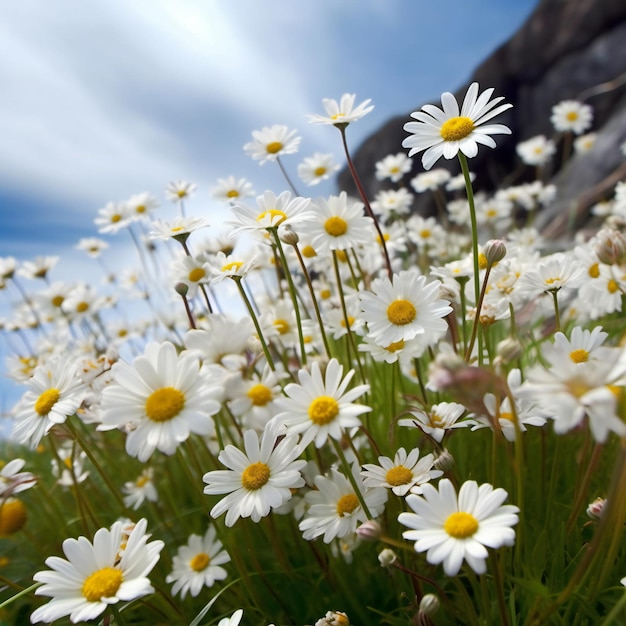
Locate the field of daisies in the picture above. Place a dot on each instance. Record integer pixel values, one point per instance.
(334, 412)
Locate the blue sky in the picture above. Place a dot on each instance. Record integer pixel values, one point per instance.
(108, 98)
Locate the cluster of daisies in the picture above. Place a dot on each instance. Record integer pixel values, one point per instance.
(310, 372)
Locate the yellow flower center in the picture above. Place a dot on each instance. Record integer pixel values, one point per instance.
(323, 410)
(385, 238)
(308, 252)
(273, 213)
(395, 346)
(164, 404)
(325, 294)
(282, 326)
(46, 401)
(342, 257)
(116, 217)
(399, 475)
(12, 516)
(57, 301)
(140, 209)
(612, 286)
(579, 356)
(199, 562)
(319, 171)
(594, 270)
(274, 147)
(506, 415)
(572, 116)
(337, 116)
(232, 193)
(196, 274)
(351, 321)
(401, 312)
(483, 263)
(181, 193)
(103, 583)
(260, 395)
(461, 525)
(142, 481)
(456, 128)
(232, 266)
(81, 307)
(347, 504)
(336, 226)
(255, 476)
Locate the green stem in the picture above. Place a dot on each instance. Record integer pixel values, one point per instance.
(350, 476)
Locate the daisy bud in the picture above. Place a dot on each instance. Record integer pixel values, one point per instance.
(610, 246)
(429, 604)
(369, 531)
(596, 508)
(289, 236)
(13, 516)
(181, 289)
(509, 350)
(494, 251)
(444, 462)
(387, 557)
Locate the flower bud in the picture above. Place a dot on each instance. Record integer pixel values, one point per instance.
(429, 604)
(494, 251)
(610, 246)
(596, 508)
(387, 557)
(509, 350)
(444, 462)
(369, 531)
(181, 289)
(288, 235)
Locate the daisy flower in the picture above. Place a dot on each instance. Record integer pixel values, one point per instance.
(319, 406)
(451, 528)
(271, 142)
(191, 271)
(316, 168)
(231, 188)
(585, 143)
(138, 491)
(536, 151)
(55, 392)
(93, 246)
(571, 116)
(179, 190)
(163, 395)
(233, 620)
(235, 265)
(38, 268)
(179, 228)
(450, 131)
(438, 420)
(393, 167)
(257, 480)
(113, 217)
(335, 510)
(406, 472)
(197, 564)
(553, 273)
(393, 201)
(140, 204)
(402, 309)
(339, 224)
(343, 112)
(272, 211)
(432, 180)
(97, 575)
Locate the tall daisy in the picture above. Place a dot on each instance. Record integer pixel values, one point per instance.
(343, 112)
(55, 392)
(271, 142)
(402, 309)
(257, 480)
(96, 575)
(319, 406)
(335, 510)
(451, 528)
(197, 564)
(450, 131)
(163, 396)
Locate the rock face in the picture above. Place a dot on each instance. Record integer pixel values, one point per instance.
(567, 49)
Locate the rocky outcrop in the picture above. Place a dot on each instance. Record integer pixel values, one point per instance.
(567, 49)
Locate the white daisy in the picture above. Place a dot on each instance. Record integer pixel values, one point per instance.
(536, 151)
(231, 188)
(406, 472)
(179, 190)
(190, 271)
(320, 407)
(257, 480)
(402, 309)
(335, 510)
(393, 167)
(343, 112)
(233, 620)
(585, 143)
(112, 218)
(571, 116)
(316, 168)
(197, 564)
(138, 491)
(141, 204)
(392, 202)
(163, 395)
(432, 180)
(93, 246)
(452, 529)
(179, 228)
(271, 142)
(339, 224)
(438, 420)
(12, 480)
(448, 131)
(55, 393)
(97, 575)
